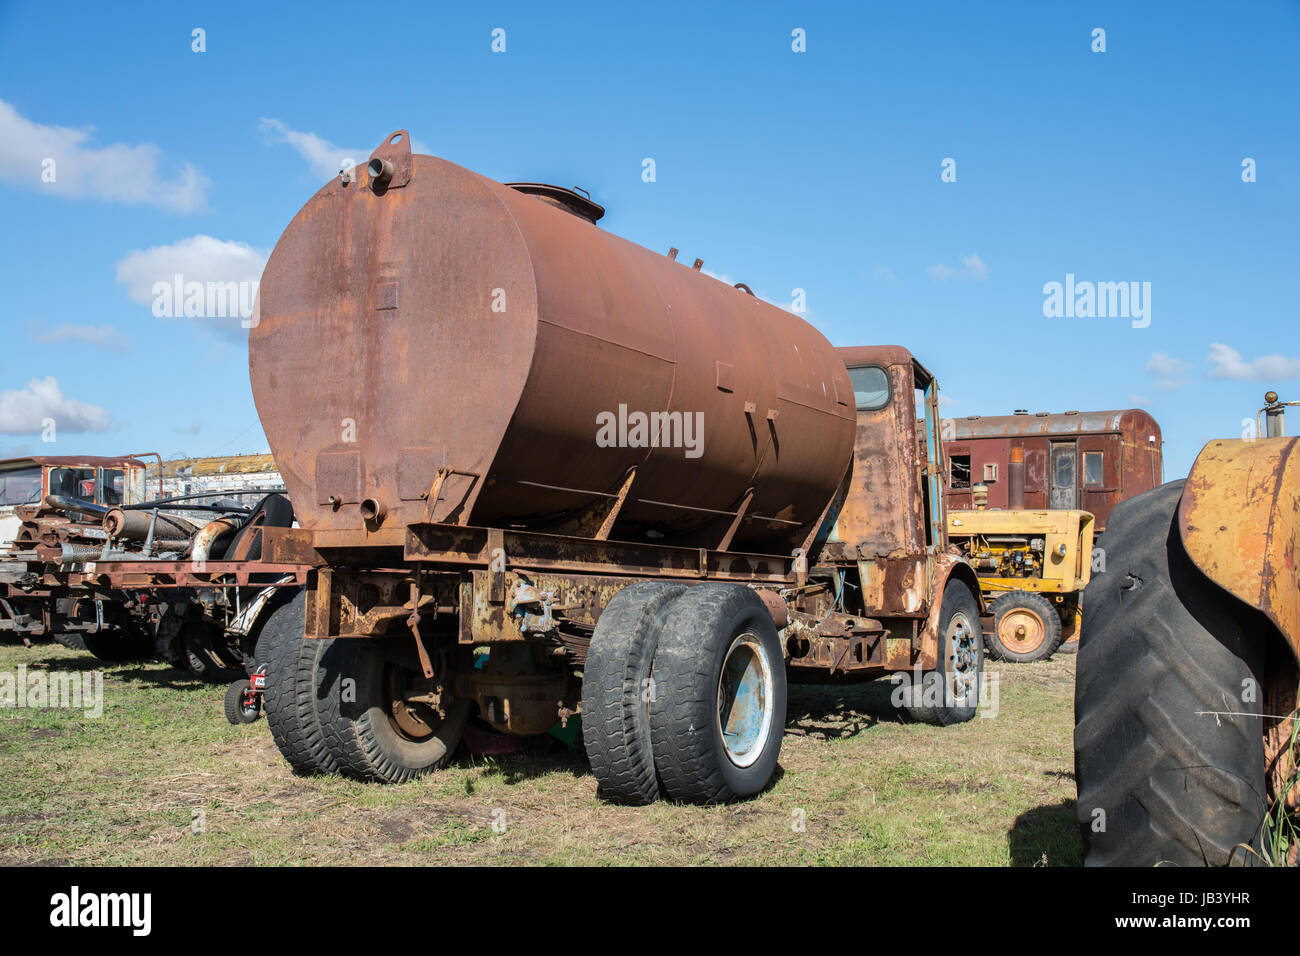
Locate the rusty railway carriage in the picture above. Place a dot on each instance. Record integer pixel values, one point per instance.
(436, 358)
(1077, 460)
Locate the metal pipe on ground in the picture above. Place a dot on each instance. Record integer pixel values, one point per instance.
(134, 525)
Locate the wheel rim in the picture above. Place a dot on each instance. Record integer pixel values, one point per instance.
(963, 660)
(1021, 631)
(745, 696)
(413, 720)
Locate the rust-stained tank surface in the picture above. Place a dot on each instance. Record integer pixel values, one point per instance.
(436, 346)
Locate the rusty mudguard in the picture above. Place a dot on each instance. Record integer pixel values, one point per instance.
(1240, 523)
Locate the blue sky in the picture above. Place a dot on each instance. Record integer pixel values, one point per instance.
(818, 170)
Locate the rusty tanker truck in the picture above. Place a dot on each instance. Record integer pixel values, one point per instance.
(544, 474)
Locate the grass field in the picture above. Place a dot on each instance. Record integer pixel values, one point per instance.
(855, 785)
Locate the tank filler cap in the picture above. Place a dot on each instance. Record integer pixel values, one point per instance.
(570, 200)
(1021, 411)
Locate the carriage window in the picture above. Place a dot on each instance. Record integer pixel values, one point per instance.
(20, 486)
(959, 476)
(870, 387)
(1092, 468)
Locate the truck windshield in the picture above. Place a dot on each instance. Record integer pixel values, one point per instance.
(21, 486)
(114, 485)
(73, 482)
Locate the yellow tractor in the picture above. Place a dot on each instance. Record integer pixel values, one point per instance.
(1188, 675)
(1032, 567)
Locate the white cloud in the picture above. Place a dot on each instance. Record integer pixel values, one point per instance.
(116, 172)
(100, 336)
(883, 274)
(972, 267)
(23, 411)
(1226, 362)
(1169, 372)
(946, 402)
(323, 158)
(201, 259)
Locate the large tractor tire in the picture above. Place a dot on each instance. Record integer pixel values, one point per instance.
(717, 713)
(1169, 759)
(950, 694)
(617, 687)
(1026, 628)
(371, 731)
(291, 682)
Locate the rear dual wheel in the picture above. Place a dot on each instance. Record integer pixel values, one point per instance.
(347, 705)
(376, 714)
(684, 694)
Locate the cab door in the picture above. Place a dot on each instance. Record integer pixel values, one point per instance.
(1063, 470)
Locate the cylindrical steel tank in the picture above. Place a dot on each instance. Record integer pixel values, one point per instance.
(434, 319)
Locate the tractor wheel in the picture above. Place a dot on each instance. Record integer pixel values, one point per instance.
(375, 731)
(238, 711)
(950, 694)
(291, 682)
(1169, 760)
(1025, 628)
(717, 712)
(616, 691)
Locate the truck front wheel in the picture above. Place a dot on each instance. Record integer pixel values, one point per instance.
(717, 713)
(950, 693)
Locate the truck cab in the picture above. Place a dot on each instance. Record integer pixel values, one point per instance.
(26, 482)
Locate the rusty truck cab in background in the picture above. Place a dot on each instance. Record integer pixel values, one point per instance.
(25, 483)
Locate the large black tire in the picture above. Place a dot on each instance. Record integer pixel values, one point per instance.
(71, 640)
(355, 706)
(273, 511)
(1165, 773)
(950, 693)
(712, 625)
(119, 645)
(1034, 616)
(201, 658)
(291, 680)
(616, 689)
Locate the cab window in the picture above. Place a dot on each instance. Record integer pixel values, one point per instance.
(870, 387)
